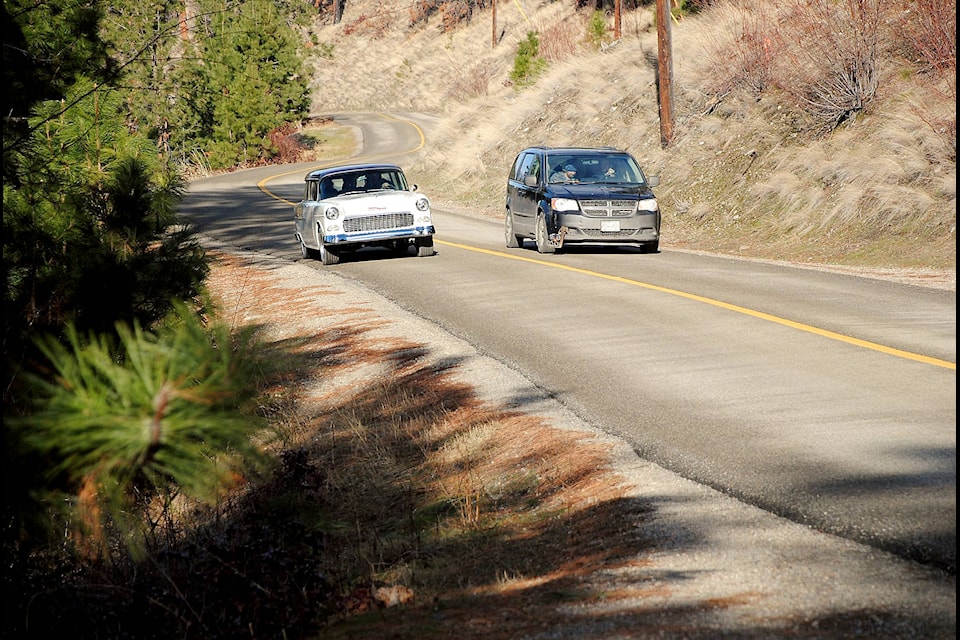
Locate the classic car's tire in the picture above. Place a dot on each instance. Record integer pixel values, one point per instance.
(400, 247)
(309, 254)
(543, 236)
(425, 247)
(329, 255)
(513, 240)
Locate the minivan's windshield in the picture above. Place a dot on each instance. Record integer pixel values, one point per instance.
(619, 168)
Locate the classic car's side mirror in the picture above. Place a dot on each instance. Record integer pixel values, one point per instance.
(414, 187)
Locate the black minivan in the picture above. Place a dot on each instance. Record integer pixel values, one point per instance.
(572, 195)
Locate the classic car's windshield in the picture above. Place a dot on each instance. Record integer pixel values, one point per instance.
(362, 182)
(617, 168)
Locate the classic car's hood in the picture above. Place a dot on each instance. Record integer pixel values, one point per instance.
(599, 190)
(376, 201)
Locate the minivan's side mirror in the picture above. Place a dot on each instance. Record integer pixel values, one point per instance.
(653, 181)
(530, 180)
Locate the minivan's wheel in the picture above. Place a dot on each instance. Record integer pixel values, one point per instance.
(543, 236)
(329, 255)
(650, 247)
(425, 247)
(513, 240)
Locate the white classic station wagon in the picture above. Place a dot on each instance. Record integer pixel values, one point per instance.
(362, 205)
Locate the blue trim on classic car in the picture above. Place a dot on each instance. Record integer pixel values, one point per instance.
(399, 234)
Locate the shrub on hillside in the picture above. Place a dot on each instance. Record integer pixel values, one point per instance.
(527, 64)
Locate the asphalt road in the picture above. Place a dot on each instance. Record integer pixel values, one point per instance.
(827, 399)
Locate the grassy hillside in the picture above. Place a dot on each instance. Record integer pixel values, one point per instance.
(744, 174)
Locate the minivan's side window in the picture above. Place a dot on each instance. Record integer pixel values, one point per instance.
(516, 170)
(528, 164)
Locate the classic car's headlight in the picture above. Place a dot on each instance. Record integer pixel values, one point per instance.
(564, 204)
(423, 204)
(332, 213)
(647, 205)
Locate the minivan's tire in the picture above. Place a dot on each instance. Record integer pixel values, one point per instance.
(329, 255)
(513, 240)
(650, 247)
(425, 247)
(543, 236)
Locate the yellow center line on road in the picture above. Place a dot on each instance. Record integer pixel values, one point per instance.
(723, 305)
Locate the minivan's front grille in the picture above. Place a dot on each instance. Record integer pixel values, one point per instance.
(608, 208)
(380, 222)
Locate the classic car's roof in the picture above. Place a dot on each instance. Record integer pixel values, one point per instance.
(321, 173)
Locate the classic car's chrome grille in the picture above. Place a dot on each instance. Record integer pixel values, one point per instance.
(378, 222)
(608, 208)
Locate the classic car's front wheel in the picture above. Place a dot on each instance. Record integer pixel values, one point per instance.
(400, 247)
(307, 253)
(425, 246)
(329, 255)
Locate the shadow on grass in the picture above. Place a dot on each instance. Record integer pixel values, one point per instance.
(399, 506)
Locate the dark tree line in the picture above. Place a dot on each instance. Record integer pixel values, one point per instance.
(106, 325)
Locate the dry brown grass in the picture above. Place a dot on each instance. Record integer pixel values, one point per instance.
(416, 488)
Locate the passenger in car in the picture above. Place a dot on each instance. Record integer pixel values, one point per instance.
(607, 170)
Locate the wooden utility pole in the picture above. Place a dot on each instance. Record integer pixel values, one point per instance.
(493, 34)
(664, 72)
(616, 19)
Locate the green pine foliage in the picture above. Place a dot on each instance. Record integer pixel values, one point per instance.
(212, 88)
(94, 208)
(151, 414)
(597, 29)
(528, 65)
(46, 47)
(259, 79)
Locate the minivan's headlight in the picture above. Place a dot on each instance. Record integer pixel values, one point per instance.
(564, 204)
(423, 204)
(647, 205)
(332, 213)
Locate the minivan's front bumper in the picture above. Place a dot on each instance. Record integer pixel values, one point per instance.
(642, 229)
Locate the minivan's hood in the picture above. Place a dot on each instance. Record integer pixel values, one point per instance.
(599, 190)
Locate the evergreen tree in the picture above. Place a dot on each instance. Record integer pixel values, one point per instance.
(46, 47)
(258, 76)
(209, 79)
